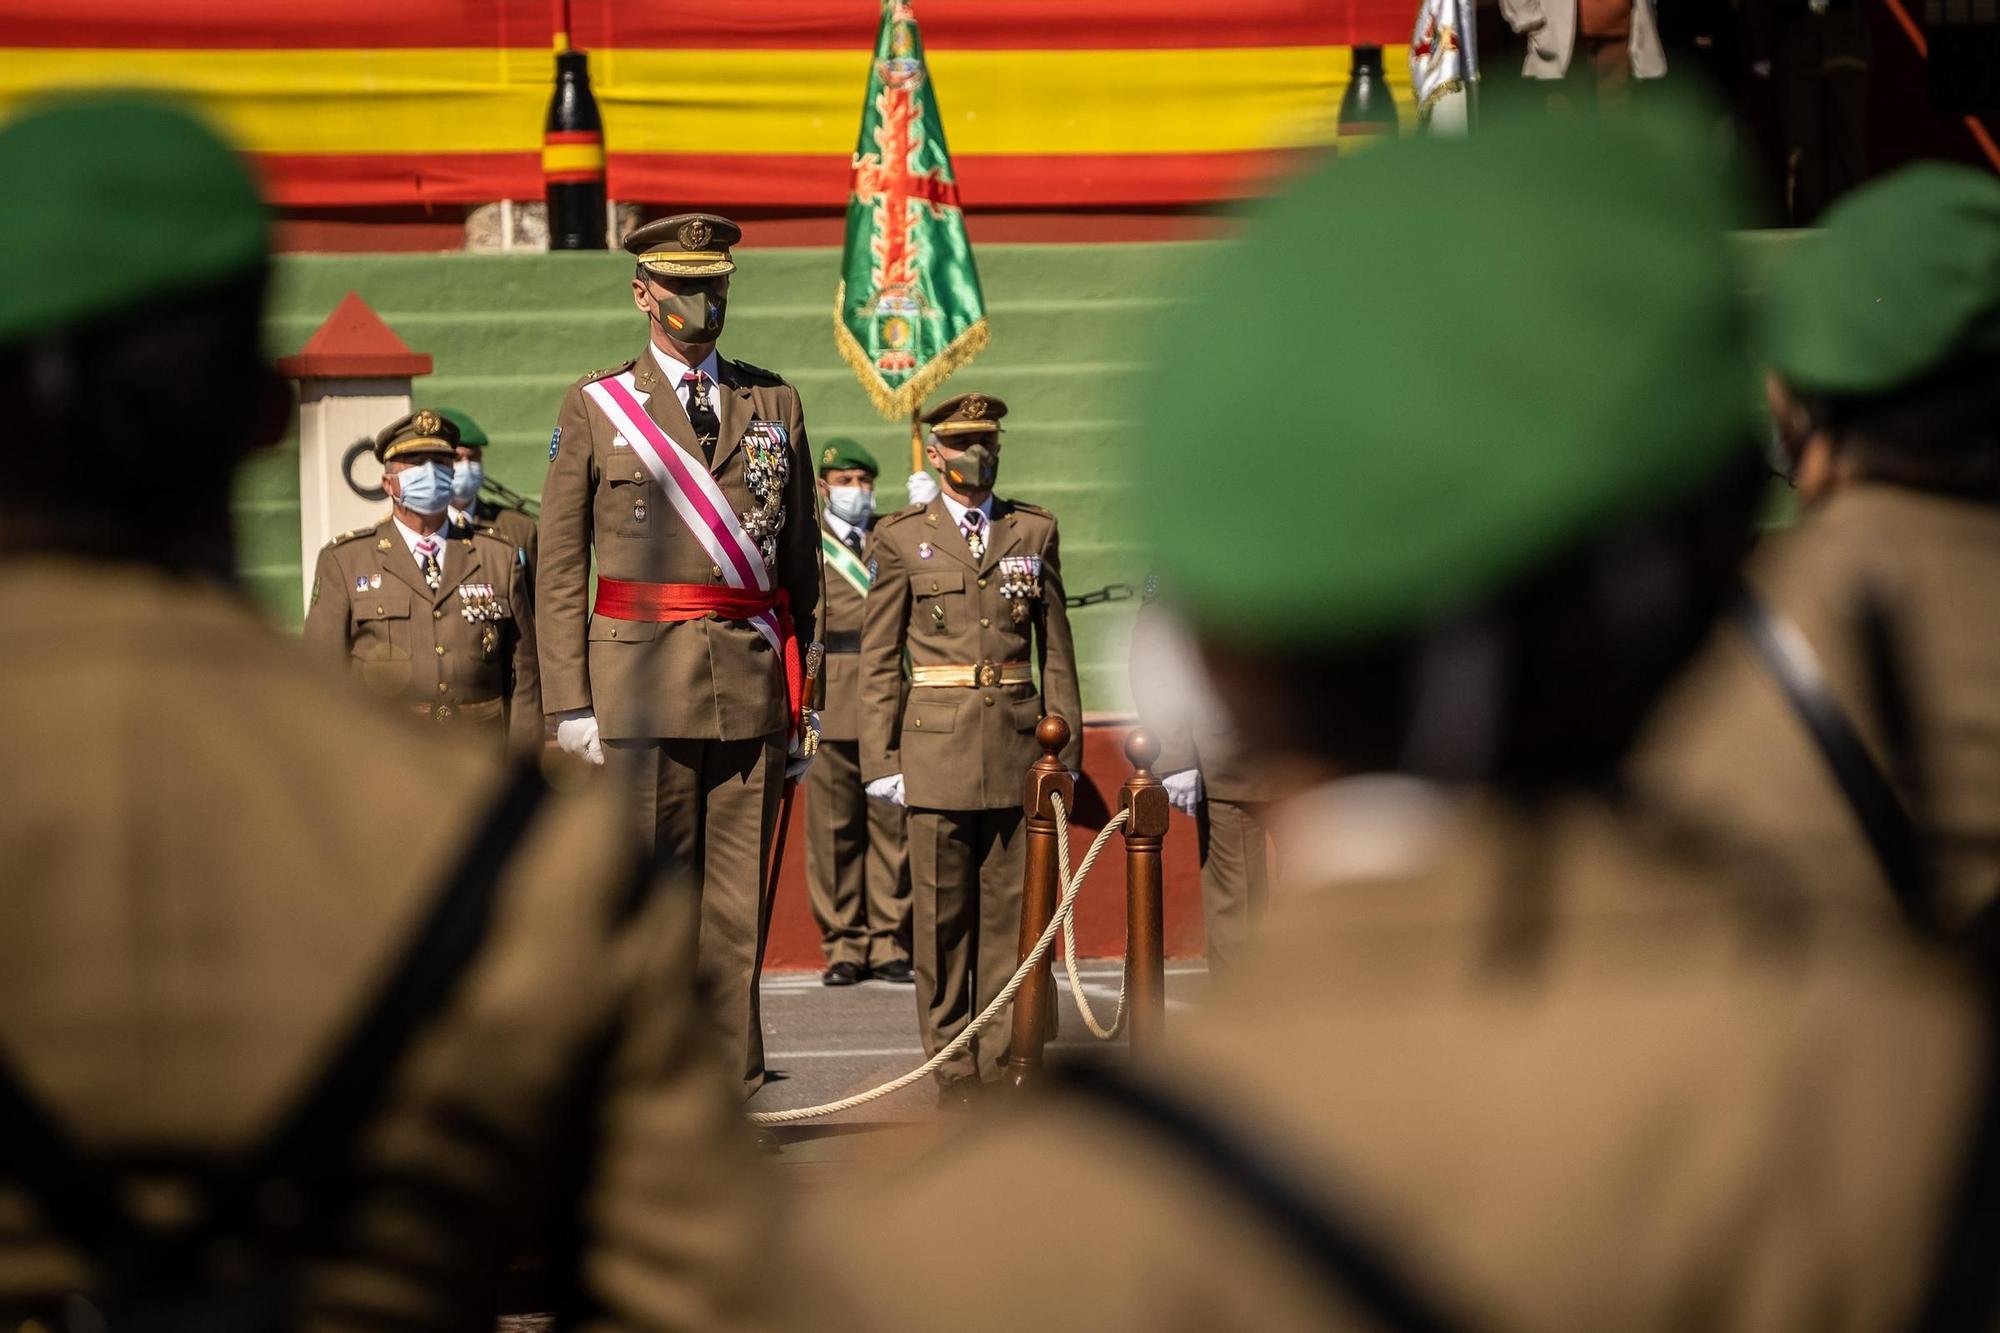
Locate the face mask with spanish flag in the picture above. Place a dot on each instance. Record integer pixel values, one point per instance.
(691, 317)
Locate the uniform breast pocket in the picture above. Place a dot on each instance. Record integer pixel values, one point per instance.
(382, 640)
(631, 502)
(938, 598)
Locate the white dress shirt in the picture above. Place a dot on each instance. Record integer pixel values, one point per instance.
(839, 526)
(959, 511)
(411, 537)
(673, 368)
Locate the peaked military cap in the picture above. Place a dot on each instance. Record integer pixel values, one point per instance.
(841, 452)
(967, 414)
(1902, 280)
(687, 245)
(425, 431)
(1556, 341)
(90, 178)
(470, 432)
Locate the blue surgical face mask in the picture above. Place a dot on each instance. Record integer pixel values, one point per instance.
(426, 487)
(467, 476)
(851, 504)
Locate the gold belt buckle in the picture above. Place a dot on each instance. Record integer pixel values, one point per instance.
(988, 675)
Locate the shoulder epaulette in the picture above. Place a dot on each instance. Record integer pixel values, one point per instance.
(757, 372)
(605, 373)
(353, 533)
(909, 512)
(1037, 510)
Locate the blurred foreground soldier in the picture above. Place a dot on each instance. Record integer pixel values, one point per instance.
(471, 507)
(970, 587)
(424, 612)
(1885, 389)
(276, 1048)
(1506, 1055)
(689, 480)
(1208, 778)
(857, 869)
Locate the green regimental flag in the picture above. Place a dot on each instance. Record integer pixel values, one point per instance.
(909, 310)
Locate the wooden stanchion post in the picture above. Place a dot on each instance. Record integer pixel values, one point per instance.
(1034, 1003)
(1145, 940)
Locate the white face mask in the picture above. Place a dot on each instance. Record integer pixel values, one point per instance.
(467, 477)
(426, 488)
(851, 504)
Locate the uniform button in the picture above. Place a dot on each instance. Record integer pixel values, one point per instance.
(984, 622)
(378, 610)
(437, 615)
(989, 701)
(982, 583)
(638, 476)
(441, 687)
(918, 723)
(715, 571)
(440, 650)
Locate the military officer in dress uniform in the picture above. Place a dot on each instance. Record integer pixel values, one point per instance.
(277, 1049)
(1509, 1052)
(856, 869)
(970, 587)
(1885, 388)
(689, 478)
(419, 612)
(470, 507)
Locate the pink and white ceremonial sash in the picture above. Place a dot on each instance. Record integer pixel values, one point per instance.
(693, 494)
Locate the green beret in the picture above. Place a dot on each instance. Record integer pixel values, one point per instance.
(116, 202)
(840, 452)
(1440, 365)
(1903, 279)
(469, 432)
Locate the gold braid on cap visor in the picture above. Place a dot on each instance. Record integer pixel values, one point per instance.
(688, 263)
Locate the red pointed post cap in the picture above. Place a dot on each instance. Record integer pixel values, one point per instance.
(354, 344)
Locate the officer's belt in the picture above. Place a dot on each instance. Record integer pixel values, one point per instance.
(486, 710)
(629, 599)
(842, 641)
(974, 675)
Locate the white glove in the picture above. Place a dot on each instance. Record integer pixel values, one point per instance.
(923, 488)
(1183, 789)
(888, 789)
(576, 733)
(797, 761)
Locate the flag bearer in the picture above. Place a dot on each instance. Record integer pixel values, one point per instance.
(856, 868)
(970, 587)
(687, 477)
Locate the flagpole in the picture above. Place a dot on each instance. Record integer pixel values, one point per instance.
(916, 442)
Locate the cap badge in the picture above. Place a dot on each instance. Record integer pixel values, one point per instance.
(695, 234)
(827, 455)
(428, 423)
(973, 408)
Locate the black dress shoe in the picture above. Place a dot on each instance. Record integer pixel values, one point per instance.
(899, 971)
(842, 974)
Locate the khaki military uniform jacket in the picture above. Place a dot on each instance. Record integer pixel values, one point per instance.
(1729, 750)
(509, 525)
(1563, 1075)
(462, 656)
(963, 747)
(241, 850)
(703, 679)
(840, 628)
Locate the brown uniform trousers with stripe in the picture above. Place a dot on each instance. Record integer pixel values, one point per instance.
(216, 853)
(963, 751)
(692, 714)
(372, 613)
(1561, 1073)
(857, 866)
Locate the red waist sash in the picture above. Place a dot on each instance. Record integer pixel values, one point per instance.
(621, 599)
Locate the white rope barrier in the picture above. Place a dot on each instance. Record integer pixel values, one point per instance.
(1059, 922)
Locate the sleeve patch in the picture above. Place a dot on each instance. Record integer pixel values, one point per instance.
(555, 443)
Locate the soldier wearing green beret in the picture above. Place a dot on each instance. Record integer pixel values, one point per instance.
(420, 611)
(857, 868)
(1509, 1052)
(278, 1049)
(1884, 385)
(471, 507)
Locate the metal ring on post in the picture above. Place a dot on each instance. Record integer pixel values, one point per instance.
(1034, 1006)
(1144, 799)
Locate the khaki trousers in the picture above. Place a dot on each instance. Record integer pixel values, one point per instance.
(857, 869)
(965, 875)
(1235, 875)
(711, 806)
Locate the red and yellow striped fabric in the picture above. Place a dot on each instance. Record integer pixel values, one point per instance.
(1047, 103)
